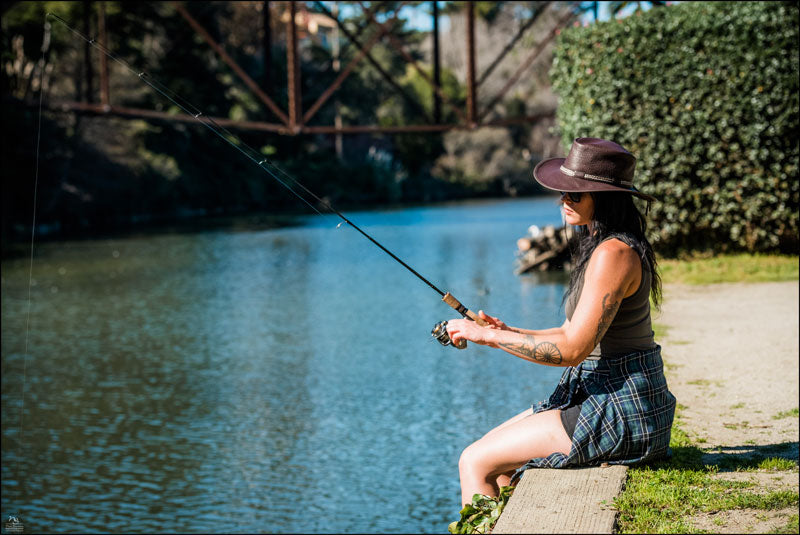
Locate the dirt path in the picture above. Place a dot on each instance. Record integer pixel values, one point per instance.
(731, 354)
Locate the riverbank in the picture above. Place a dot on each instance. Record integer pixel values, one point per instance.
(16, 241)
(730, 354)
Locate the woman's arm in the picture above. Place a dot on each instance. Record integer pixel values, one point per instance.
(613, 273)
(542, 332)
(495, 323)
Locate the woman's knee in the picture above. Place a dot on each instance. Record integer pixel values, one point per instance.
(474, 460)
(511, 446)
(470, 459)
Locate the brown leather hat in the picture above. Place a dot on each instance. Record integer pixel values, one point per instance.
(592, 165)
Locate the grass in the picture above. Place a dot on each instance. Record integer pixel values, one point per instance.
(756, 464)
(790, 527)
(701, 382)
(659, 330)
(662, 497)
(705, 269)
(702, 269)
(777, 464)
(793, 413)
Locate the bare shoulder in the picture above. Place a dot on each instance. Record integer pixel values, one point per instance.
(617, 263)
(615, 253)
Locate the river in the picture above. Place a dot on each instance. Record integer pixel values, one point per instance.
(263, 380)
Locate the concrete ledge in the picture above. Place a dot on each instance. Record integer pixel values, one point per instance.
(568, 500)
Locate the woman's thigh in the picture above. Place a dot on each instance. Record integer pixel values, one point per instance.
(522, 438)
(510, 421)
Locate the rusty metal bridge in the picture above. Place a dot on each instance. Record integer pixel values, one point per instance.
(295, 120)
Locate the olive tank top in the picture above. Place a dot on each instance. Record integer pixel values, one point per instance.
(630, 330)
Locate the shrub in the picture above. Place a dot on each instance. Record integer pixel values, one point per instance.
(706, 96)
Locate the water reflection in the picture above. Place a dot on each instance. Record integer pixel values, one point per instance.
(271, 380)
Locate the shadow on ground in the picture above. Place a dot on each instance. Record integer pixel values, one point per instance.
(729, 458)
(733, 458)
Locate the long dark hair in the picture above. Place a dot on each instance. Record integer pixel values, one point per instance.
(615, 216)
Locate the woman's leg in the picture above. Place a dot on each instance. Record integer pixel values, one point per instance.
(513, 419)
(504, 479)
(492, 459)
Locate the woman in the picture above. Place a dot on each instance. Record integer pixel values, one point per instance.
(612, 403)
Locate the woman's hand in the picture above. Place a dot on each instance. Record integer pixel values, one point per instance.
(493, 322)
(464, 329)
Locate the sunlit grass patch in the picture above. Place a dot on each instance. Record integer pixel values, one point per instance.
(659, 330)
(730, 268)
(777, 463)
(790, 527)
(704, 382)
(740, 463)
(670, 367)
(793, 413)
(777, 499)
(661, 500)
(662, 497)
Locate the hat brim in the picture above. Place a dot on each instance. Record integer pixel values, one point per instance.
(548, 174)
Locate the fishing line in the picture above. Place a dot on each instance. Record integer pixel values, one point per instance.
(42, 68)
(439, 331)
(264, 163)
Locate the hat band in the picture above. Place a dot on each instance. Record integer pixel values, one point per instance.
(581, 174)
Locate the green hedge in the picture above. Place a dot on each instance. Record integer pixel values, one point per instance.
(706, 96)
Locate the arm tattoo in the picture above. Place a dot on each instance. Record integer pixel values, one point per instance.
(609, 311)
(542, 352)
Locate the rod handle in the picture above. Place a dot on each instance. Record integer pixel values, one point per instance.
(461, 309)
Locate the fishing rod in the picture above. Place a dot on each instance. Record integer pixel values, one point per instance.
(439, 330)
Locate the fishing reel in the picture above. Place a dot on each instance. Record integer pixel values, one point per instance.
(440, 333)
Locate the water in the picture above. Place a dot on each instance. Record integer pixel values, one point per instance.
(263, 380)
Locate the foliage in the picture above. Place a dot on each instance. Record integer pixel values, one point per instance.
(482, 514)
(706, 96)
(616, 7)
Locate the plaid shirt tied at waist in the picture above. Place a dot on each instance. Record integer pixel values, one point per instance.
(626, 411)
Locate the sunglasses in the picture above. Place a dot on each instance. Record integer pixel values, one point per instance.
(574, 196)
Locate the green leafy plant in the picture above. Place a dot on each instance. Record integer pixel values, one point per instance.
(481, 515)
(706, 96)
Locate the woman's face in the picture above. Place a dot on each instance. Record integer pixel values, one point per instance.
(577, 213)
